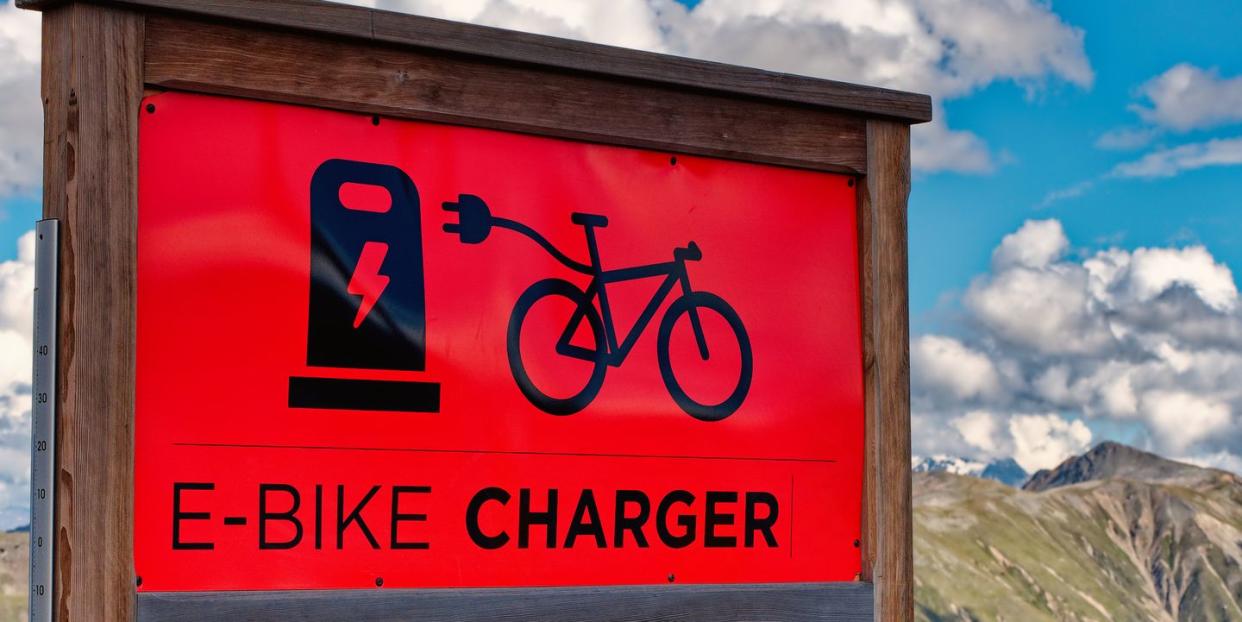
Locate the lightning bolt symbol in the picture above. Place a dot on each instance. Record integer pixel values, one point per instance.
(367, 280)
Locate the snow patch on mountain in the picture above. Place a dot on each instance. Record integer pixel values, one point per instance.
(1005, 470)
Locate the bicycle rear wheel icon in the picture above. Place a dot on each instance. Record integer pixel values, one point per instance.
(605, 349)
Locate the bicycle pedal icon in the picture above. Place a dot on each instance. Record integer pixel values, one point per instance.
(475, 223)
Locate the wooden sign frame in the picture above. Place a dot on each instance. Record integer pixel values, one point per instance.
(100, 58)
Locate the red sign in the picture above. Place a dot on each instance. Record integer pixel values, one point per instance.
(419, 355)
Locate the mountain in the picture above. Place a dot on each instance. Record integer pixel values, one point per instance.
(1114, 534)
(1116, 461)
(1005, 471)
(948, 464)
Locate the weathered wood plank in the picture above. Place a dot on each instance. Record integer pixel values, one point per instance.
(92, 84)
(888, 184)
(410, 30)
(374, 78)
(666, 69)
(866, 288)
(799, 602)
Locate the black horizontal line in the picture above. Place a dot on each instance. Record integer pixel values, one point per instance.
(354, 394)
(566, 454)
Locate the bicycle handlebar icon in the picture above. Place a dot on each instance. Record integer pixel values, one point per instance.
(474, 225)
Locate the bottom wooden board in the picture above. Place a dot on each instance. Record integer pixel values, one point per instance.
(786, 602)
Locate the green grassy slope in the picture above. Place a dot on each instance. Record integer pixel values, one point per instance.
(1098, 550)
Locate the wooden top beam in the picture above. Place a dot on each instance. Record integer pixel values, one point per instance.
(401, 29)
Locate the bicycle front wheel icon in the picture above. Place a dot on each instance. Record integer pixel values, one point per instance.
(577, 316)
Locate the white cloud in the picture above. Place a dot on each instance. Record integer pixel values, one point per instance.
(1149, 336)
(15, 360)
(16, 324)
(1035, 245)
(627, 23)
(1069, 192)
(935, 147)
(1186, 97)
(946, 366)
(1182, 418)
(1160, 163)
(1047, 310)
(1224, 460)
(945, 49)
(21, 32)
(979, 428)
(1044, 441)
(1181, 99)
(1126, 138)
(1034, 441)
(16, 303)
(21, 114)
(1173, 160)
(1109, 390)
(1153, 271)
(17, 288)
(1032, 300)
(933, 437)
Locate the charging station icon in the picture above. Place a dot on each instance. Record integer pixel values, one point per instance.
(367, 306)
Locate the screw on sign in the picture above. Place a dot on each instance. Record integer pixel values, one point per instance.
(474, 226)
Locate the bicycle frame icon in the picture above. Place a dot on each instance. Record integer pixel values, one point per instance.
(475, 223)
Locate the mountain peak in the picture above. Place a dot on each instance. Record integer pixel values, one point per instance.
(1005, 471)
(1110, 460)
(950, 464)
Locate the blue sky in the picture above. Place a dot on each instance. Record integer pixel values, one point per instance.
(1062, 293)
(956, 220)
(17, 216)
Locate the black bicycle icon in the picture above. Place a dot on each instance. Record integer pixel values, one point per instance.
(475, 223)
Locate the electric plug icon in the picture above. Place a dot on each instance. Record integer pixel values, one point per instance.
(474, 220)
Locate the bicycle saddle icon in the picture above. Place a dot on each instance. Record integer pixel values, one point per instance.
(475, 223)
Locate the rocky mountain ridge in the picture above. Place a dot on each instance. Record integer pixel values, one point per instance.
(1114, 534)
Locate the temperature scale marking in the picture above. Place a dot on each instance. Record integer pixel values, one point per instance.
(43, 424)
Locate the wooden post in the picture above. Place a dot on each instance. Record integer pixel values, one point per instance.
(888, 370)
(92, 84)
